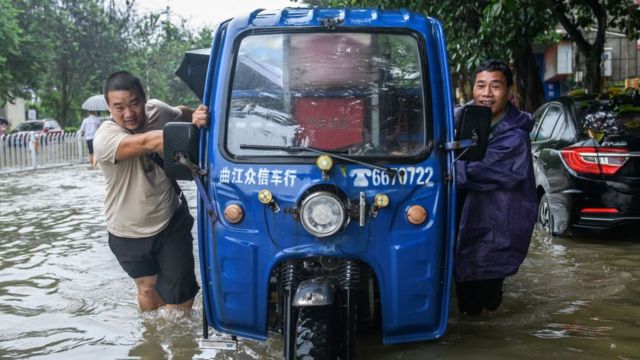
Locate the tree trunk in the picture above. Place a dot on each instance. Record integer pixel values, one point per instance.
(530, 92)
(592, 52)
(593, 73)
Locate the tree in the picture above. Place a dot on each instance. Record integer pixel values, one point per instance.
(68, 44)
(16, 72)
(579, 17)
(63, 50)
(481, 29)
(160, 46)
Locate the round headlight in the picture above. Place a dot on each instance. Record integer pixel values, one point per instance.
(322, 214)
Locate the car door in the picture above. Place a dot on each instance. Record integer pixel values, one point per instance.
(542, 144)
(555, 131)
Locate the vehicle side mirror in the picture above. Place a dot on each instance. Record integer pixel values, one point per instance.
(180, 150)
(475, 125)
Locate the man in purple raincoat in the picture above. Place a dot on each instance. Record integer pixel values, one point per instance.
(500, 207)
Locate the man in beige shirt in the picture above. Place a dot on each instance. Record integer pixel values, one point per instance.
(149, 224)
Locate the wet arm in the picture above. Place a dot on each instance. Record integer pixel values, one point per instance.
(140, 144)
(187, 112)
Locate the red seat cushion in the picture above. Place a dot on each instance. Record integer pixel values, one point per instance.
(330, 123)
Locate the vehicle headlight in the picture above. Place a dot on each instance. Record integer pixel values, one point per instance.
(322, 214)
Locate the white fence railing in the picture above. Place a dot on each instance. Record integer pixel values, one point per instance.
(24, 151)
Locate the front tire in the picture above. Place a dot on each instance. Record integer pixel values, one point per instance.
(315, 331)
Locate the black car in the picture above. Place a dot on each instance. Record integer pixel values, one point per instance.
(586, 155)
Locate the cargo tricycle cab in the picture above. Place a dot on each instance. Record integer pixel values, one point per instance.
(325, 193)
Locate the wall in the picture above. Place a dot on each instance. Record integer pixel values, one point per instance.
(14, 112)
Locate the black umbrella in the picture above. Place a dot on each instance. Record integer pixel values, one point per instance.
(193, 70)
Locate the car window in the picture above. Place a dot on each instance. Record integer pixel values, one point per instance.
(564, 130)
(30, 126)
(537, 116)
(51, 124)
(548, 122)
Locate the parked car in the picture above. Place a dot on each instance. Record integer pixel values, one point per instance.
(39, 126)
(586, 154)
(45, 129)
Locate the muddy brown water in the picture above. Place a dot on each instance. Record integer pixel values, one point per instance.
(64, 296)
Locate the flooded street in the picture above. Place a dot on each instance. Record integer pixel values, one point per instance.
(64, 296)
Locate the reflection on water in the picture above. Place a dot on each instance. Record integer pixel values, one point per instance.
(63, 294)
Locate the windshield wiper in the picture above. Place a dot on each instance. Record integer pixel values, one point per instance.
(296, 149)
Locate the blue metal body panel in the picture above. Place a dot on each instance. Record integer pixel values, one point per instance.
(412, 264)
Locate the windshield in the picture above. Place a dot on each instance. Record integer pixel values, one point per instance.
(30, 126)
(359, 94)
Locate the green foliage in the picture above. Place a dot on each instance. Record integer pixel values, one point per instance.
(60, 52)
(581, 17)
(505, 29)
(477, 30)
(10, 38)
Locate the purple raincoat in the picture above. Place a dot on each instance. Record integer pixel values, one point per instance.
(500, 208)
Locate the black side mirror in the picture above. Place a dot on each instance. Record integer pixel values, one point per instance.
(475, 125)
(180, 150)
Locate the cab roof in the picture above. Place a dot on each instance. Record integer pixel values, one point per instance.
(333, 17)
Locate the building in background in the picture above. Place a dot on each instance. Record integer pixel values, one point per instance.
(563, 66)
(14, 111)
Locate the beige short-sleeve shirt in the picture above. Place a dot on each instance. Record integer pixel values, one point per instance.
(139, 198)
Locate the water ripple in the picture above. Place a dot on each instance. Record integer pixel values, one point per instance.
(63, 294)
(556, 331)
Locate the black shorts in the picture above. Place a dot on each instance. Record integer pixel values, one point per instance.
(168, 254)
(90, 146)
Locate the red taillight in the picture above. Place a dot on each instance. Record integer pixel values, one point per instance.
(599, 211)
(589, 160)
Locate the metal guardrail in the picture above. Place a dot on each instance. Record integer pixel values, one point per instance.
(28, 151)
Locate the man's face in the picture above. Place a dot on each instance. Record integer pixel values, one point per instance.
(490, 90)
(127, 108)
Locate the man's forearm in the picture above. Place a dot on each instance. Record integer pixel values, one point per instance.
(140, 144)
(187, 112)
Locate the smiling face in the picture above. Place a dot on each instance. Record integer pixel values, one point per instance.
(127, 108)
(490, 90)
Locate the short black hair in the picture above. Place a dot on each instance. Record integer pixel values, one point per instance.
(123, 80)
(496, 65)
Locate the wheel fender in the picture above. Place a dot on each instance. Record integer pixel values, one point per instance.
(314, 292)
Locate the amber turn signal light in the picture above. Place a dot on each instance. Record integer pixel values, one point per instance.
(233, 213)
(416, 214)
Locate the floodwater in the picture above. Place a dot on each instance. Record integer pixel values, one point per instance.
(64, 296)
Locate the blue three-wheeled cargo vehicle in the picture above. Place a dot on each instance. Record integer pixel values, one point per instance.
(326, 203)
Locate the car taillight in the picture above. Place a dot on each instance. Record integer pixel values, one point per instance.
(589, 160)
(599, 211)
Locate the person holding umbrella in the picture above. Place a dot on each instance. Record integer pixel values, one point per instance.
(148, 220)
(90, 124)
(88, 128)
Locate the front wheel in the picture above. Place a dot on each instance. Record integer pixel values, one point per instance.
(315, 331)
